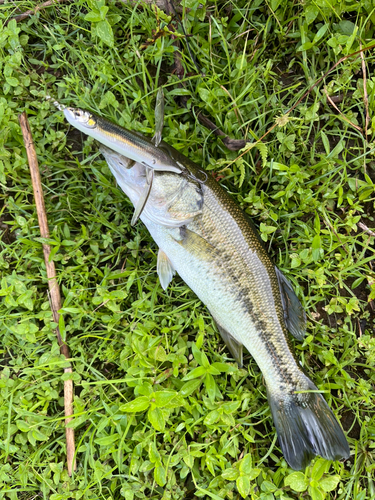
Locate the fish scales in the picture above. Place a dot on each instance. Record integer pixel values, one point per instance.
(245, 300)
(247, 277)
(204, 236)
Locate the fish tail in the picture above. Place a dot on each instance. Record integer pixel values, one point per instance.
(307, 427)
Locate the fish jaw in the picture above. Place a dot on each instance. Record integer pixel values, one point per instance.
(172, 200)
(130, 175)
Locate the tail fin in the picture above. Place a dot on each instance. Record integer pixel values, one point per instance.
(306, 427)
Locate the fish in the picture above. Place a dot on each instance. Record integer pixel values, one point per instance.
(205, 237)
(135, 146)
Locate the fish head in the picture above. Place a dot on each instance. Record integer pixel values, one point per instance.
(84, 119)
(173, 200)
(130, 175)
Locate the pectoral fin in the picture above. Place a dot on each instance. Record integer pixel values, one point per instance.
(195, 244)
(294, 314)
(235, 348)
(143, 199)
(165, 269)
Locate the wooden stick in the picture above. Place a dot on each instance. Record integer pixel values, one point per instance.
(276, 124)
(366, 229)
(54, 291)
(231, 144)
(49, 3)
(365, 96)
(31, 12)
(341, 114)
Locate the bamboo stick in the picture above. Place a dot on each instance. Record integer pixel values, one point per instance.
(54, 291)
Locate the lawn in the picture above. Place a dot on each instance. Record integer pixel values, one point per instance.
(145, 425)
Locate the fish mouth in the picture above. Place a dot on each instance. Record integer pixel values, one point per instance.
(117, 159)
(130, 175)
(106, 151)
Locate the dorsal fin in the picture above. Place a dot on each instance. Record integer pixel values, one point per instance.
(294, 314)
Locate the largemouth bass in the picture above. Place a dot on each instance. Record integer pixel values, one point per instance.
(204, 236)
(136, 147)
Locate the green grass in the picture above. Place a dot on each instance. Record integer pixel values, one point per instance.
(307, 187)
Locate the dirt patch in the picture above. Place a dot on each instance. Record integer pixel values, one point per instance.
(5, 229)
(348, 421)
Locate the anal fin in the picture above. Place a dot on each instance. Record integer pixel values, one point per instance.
(235, 348)
(165, 269)
(294, 314)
